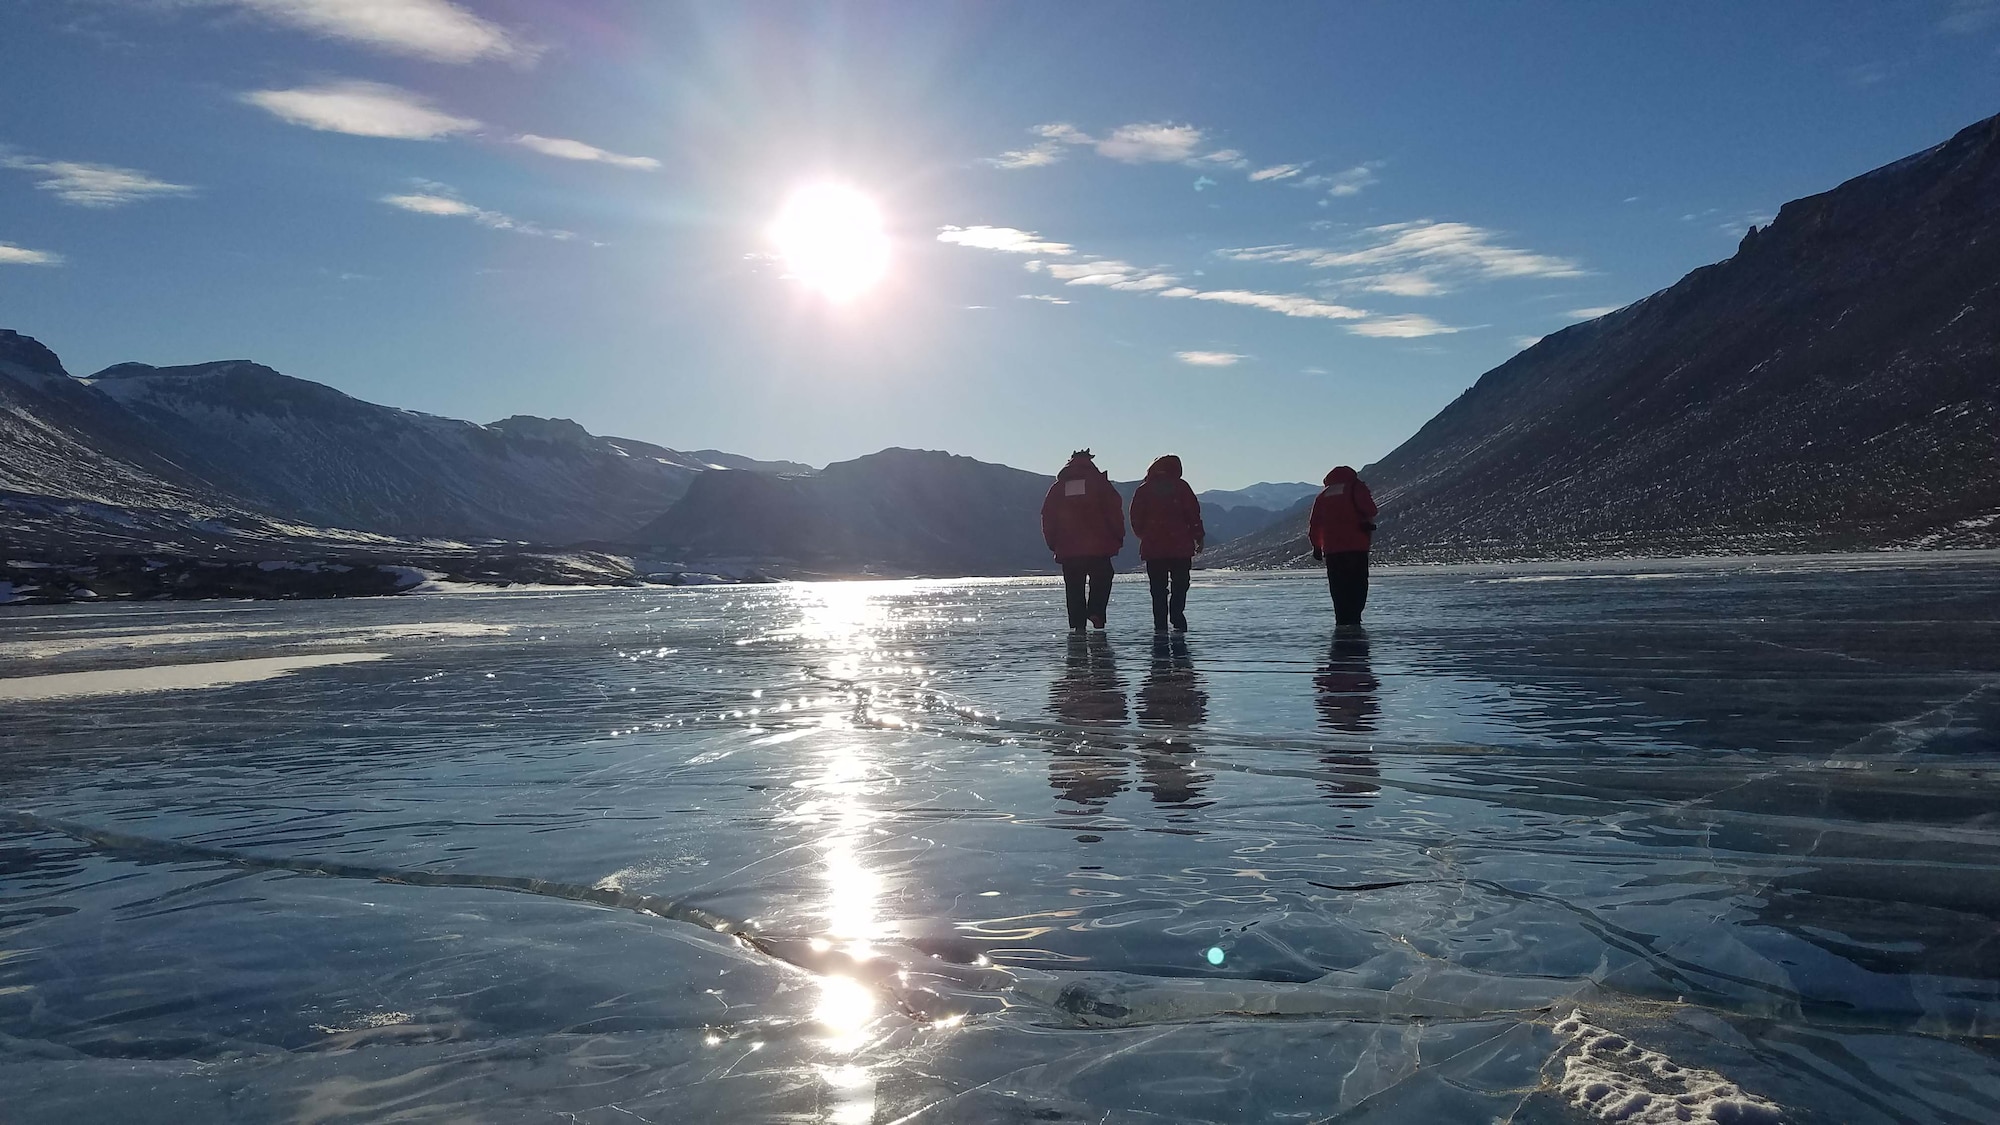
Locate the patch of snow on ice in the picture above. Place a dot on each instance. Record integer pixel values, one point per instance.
(1611, 1078)
(169, 677)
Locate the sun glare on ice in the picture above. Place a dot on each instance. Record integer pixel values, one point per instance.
(831, 239)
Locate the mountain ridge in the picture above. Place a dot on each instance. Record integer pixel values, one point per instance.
(1821, 389)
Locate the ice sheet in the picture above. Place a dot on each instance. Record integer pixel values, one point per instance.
(905, 852)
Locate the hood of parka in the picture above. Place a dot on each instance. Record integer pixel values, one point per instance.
(1080, 465)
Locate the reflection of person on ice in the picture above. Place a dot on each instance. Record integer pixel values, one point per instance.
(1083, 522)
(1343, 523)
(1166, 517)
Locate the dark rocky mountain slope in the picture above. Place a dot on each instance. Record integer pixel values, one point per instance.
(1834, 385)
(171, 457)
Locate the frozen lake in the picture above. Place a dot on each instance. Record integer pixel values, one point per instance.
(1648, 842)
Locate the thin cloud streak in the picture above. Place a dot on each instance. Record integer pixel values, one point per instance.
(1111, 273)
(432, 29)
(1156, 142)
(1287, 304)
(434, 199)
(1276, 172)
(1038, 156)
(100, 186)
(1209, 359)
(1009, 240)
(564, 149)
(1142, 142)
(12, 255)
(1403, 326)
(1594, 312)
(361, 109)
(1417, 259)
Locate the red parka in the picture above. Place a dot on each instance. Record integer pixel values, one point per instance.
(1166, 516)
(1082, 517)
(1343, 506)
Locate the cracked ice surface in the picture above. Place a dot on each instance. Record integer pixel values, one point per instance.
(1711, 841)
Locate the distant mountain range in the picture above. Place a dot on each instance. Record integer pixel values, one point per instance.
(1263, 495)
(900, 511)
(1830, 387)
(230, 454)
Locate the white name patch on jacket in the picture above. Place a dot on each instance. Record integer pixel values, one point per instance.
(1073, 488)
(1337, 489)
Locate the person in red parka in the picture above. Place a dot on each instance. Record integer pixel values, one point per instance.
(1343, 523)
(1083, 522)
(1166, 517)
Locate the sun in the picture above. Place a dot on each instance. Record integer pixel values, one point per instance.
(832, 240)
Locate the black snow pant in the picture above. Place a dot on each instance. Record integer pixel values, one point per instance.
(1086, 589)
(1347, 580)
(1169, 579)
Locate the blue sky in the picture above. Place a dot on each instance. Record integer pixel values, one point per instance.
(1270, 238)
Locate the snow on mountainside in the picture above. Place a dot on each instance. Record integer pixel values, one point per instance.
(186, 457)
(1831, 386)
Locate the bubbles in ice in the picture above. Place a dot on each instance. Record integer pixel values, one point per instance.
(1611, 1078)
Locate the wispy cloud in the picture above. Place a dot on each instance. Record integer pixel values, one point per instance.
(1402, 326)
(438, 199)
(12, 255)
(1209, 359)
(1112, 273)
(1340, 185)
(362, 109)
(1035, 156)
(1046, 299)
(1276, 172)
(1418, 258)
(1006, 239)
(1968, 17)
(564, 149)
(1402, 284)
(1155, 142)
(1287, 304)
(1144, 142)
(1109, 273)
(1594, 311)
(93, 185)
(1526, 342)
(431, 29)
(1354, 180)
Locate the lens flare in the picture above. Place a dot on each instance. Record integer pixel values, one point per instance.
(832, 240)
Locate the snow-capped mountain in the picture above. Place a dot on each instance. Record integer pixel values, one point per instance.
(1263, 495)
(141, 457)
(1830, 386)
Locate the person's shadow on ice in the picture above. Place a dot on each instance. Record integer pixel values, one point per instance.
(1346, 692)
(1087, 693)
(1171, 699)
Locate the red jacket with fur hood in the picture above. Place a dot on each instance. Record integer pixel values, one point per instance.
(1166, 516)
(1082, 517)
(1343, 506)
